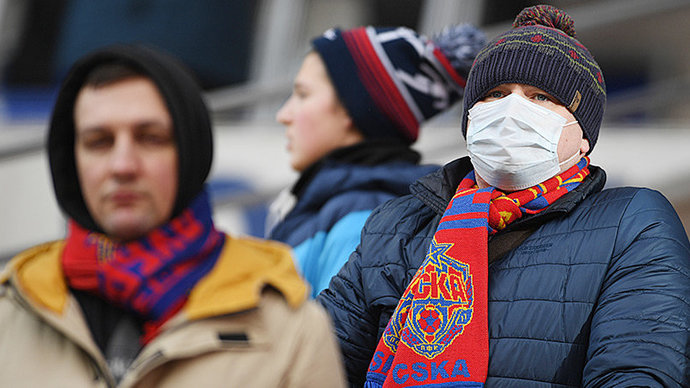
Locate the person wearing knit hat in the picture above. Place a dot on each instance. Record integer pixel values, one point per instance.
(512, 266)
(357, 105)
(144, 291)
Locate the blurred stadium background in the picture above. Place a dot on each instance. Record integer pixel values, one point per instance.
(245, 53)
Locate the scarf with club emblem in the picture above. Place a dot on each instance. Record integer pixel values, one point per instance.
(152, 276)
(438, 333)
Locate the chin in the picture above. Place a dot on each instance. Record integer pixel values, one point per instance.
(129, 228)
(297, 166)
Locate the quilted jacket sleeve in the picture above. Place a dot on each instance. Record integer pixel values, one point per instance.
(640, 331)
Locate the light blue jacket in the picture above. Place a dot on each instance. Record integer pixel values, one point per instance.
(325, 223)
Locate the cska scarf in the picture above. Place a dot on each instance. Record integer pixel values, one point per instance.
(151, 276)
(438, 333)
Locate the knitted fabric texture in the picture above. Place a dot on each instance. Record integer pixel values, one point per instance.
(391, 80)
(438, 333)
(541, 50)
(151, 276)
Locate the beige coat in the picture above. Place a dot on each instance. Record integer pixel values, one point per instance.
(233, 331)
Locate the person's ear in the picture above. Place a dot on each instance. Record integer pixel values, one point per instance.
(355, 134)
(584, 146)
(348, 122)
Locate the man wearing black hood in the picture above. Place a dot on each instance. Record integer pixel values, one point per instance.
(144, 291)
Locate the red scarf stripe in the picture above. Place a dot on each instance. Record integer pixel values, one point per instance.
(465, 216)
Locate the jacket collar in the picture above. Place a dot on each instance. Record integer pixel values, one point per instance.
(37, 272)
(366, 153)
(246, 266)
(436, 189)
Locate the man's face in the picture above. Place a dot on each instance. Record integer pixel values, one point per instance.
(316, 121)
(571, 140)
(126, 156)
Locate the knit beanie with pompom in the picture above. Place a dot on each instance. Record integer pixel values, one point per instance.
(390, 80)
(541, 50)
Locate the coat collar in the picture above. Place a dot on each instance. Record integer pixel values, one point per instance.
(37, 273)
(246, 266)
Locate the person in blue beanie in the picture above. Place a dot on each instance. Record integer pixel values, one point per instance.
(512, 267)
(356, 108)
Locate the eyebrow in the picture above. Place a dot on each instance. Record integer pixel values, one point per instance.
(154, 124)
(142, 124)
(88, 130)
(532, 88)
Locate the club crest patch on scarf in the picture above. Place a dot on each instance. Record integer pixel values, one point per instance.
(439, 302)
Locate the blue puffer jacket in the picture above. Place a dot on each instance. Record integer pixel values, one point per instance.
(597, 296)
(325, 223)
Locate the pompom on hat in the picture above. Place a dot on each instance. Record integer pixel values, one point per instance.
(391, 80)
(541, 50)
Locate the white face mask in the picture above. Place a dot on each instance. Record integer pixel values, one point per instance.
(513, 143)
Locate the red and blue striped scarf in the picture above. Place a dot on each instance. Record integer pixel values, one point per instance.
(438, 333)
(151, 276)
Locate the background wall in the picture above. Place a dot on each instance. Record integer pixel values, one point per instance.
(245, 54)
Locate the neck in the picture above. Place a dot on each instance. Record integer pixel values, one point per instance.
(481, 183)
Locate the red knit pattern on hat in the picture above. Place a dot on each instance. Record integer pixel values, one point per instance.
(545, 15)
(379, 83)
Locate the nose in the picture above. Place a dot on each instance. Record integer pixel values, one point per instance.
(124, 161)
(518, 90)
(284, 115)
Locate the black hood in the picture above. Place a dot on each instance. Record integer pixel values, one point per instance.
(182, 95)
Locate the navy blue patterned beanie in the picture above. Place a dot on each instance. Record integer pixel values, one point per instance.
(390, 80)
(541, 50)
